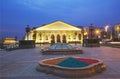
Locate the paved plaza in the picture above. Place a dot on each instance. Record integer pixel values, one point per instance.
(21, 64)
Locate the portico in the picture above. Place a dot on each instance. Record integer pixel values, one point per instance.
(55, 32)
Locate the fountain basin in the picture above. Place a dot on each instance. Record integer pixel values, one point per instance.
(71, 66)
(61, 48)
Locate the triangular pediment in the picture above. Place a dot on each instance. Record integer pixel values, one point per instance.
(58, 25)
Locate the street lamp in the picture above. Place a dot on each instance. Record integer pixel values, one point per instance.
(27, 30)
(85, 33)
(91, 29)
(117, 28)
(97, 32)
(83, 36)
(118, 34)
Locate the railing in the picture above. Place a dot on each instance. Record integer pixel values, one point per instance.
(11, 46)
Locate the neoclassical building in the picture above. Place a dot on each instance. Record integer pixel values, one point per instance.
(55, 32)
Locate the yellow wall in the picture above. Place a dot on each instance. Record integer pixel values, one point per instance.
(9, 41)
(45, 36)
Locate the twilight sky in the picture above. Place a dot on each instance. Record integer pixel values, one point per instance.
(16, 14)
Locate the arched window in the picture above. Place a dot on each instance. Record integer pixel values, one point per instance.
(79, 36)
(64, 39)
(52, 36)
(52, 39)
(58, 38)
(46, 37)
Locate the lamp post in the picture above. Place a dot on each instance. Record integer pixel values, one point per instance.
(82, 32)
(91, 31)
(83, 36)
(97, 32)
(27, 30)
(118, 34)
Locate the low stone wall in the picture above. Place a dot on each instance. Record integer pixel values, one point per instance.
(69, 51)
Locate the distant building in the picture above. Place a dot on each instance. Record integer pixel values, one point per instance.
(92, 32)
(9, 41)
(106, 33)
(117, 31)
(55, 32)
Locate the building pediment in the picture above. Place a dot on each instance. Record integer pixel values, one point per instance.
(58, 25)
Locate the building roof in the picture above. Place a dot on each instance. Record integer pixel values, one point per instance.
(58, 25)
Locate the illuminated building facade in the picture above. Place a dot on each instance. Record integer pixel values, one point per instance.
(9, 41)
(117, 31)
(55, 32)
(92, 32)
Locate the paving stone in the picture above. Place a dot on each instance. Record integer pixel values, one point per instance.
(21, 64)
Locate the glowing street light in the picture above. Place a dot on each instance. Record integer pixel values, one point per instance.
(118, 31)
(97, 31)
(117, 28)
(85, 33)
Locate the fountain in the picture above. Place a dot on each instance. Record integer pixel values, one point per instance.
(61, 48)
(71, 66)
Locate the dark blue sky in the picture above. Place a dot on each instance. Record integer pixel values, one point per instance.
(16, 14)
